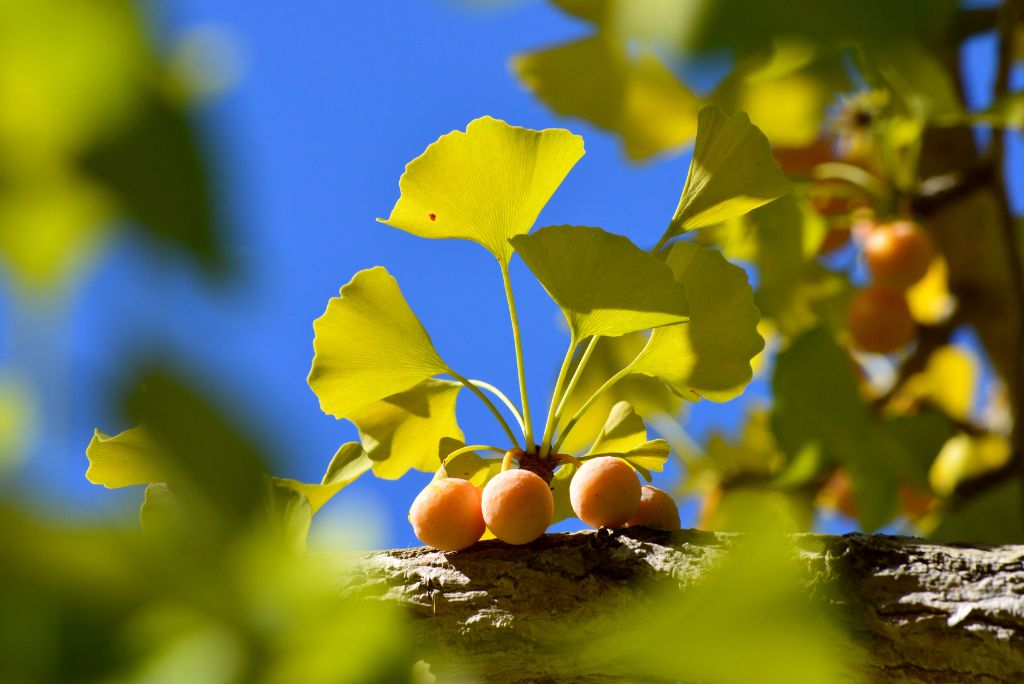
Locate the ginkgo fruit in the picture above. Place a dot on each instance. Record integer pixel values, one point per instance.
(898, 254)
(656, 509)
(447, 514)
(879, 321)
(605, 492)
(517, 506)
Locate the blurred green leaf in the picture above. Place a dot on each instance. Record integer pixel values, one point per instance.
(597, 79)
(732, 172)
(486, 185)
(604, 284)
(155, 168)
(709, 355)
(369, 345)
(992, 517)
(817, 404)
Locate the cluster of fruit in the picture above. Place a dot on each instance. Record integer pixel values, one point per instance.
(897, 255)
(517, 505)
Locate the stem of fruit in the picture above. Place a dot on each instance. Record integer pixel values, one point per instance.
(442, 472)
(569, 459)
(588, 403)
(527, 422)
(489, 404)
(549, 426)
(506, 462)
(503, 398)
(574, 380)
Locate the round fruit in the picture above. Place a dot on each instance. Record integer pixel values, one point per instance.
(898, 254)
(657, 509)
(605, 492)
(517, 506)
(879, 321)
(447, 515)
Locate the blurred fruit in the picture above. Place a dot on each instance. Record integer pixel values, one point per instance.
(879, 321)
(898, 254)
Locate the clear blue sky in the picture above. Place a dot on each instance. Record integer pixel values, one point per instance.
(334, 98)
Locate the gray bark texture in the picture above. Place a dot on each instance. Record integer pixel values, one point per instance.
(923, 612)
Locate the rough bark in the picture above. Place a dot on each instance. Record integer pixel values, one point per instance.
(923, 612)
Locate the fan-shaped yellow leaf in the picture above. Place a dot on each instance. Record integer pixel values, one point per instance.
(405, 430)
(485, 185)
(369, 345)
(622, 431)
(709, 355)
(732, 172)
(604, 284)
(348, 463)
(128, 458)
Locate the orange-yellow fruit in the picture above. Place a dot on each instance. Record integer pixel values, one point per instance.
(657, 509)
(898, 254)
(447, 514)
(518, 506)
(605, 492)
(879, 321)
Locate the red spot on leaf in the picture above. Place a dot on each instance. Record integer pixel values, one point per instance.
(433, 217)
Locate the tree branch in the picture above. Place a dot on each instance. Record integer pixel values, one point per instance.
(924, 612)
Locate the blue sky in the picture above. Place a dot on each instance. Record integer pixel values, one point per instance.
(333, 100)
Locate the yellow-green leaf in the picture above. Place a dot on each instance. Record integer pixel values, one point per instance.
(604, 284)
(732, 172)
(348, 463)
(128, 458)
(405, 430)
(709, 355)
(650, 455)
(598, 79)
(369, 345)
(485, 185)
(622, 431)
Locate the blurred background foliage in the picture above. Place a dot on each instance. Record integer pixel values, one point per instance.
(872, 108)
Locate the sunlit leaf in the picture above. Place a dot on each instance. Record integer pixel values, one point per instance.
(622, 431)
(560, 491)
(485, 185)
(965, 456)
(599, 80)
(648, 456)
(709, 355)
(949, 381)
(604, 284)
(369, 345)
(128, 458)
(929, 299)
(405, 430)
(648, 396)
(348, 463)
(732, 172)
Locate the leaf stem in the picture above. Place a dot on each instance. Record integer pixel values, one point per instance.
(574, 380)
(526, 421)
(489, 404)
(588, 403)
(464, 450)
(503, 398)
(549, 426)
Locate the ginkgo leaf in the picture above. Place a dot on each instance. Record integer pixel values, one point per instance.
(604, 284)
(405, 430)
(349, 462)
(560, 492)
(623, 430)
(709, 355)
(732, 172)
(128, 458)
(650, 455)
(369, 345)
(485, 185)
(598, 79)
